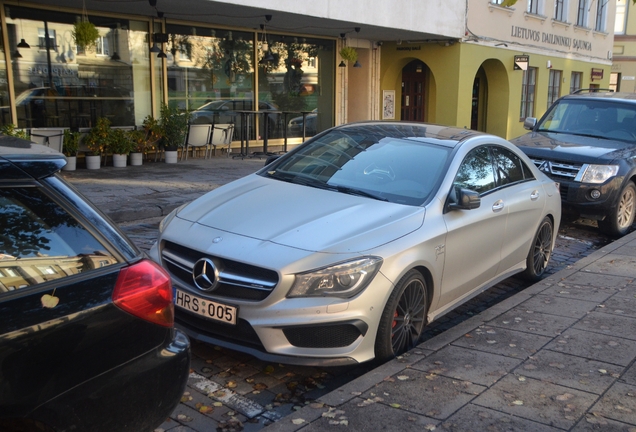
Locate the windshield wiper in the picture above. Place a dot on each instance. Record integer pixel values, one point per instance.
(358, 192)
(298, 178)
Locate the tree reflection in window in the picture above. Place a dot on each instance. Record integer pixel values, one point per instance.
(476, 172)
(40, 241)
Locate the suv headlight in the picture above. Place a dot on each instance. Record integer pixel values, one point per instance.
(340, 280)
(598, 173)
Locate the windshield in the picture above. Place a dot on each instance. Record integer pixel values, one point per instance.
(596, 118)
(361, 161)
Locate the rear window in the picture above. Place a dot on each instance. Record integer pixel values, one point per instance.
(40, 241)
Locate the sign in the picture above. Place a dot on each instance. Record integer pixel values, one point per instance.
(521, 62)
(597, 74)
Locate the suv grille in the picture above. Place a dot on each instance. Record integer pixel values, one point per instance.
(236, 280)
(556, 169)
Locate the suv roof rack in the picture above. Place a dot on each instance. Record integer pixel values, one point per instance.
(592, 90)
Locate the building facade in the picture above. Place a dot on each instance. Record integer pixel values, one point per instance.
(623, 76)
(511, 62)
(475, 63)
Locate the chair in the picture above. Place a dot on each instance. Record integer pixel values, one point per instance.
(50, 137)
(222, 136)
(198, 136)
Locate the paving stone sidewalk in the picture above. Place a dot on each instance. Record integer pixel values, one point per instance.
(558, 356)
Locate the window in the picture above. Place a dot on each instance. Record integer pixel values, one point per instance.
(575, 81)
(560, 10)
(42, 39)
(615, 81)
(601, 15)
(621, 15)
(554, 86)
(581, 14)
(102, 47)
(533, 7)
(476, 172)
(528, 92)
(41, 241)
(510, 169)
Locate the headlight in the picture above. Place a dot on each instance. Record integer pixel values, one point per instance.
(341, 280)
(166, 221)
(598, 173)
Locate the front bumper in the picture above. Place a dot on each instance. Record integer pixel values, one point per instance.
(577, 197)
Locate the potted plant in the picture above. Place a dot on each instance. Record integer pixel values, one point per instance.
(98, 141)
(140, 146)
(174, 127)
(153, 131)
(349, 54)
(70, 147)
(85, 34)
(120, 145)
(11, 130)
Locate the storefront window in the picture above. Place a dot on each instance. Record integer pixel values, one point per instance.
(295, 75)
(205, 65)
(58, 85)
(211, 74)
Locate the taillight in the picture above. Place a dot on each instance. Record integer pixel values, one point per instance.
(144, 290)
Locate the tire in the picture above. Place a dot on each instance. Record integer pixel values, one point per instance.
(619, 221)
(540, 251)
(403, 318)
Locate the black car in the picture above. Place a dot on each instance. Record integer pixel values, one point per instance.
(587, 142)
(87, 341)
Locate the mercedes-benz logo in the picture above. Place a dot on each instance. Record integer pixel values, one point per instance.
(205, 275)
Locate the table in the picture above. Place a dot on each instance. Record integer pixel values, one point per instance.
(245, 119)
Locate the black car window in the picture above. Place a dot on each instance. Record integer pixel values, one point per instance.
(510, 168)
(40, 241)
(476, 171)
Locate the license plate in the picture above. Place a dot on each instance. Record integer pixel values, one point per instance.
(206, 308)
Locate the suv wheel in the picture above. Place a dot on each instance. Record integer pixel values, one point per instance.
(618, 222)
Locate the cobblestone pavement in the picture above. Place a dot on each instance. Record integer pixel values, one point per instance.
(233, 391)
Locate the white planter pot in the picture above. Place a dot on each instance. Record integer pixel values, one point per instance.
(120, 160)
(171, 156)
(71, 163)
(93, 162)
(136, 159)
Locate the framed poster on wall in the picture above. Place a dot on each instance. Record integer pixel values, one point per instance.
(388, 104)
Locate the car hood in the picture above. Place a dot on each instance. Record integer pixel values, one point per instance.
(575, 148)
(302, 217)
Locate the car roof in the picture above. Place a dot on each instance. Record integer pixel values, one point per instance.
(448, 135)
(591, 94)
(33, 160)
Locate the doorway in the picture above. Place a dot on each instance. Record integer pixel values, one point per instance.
(413, 91)
(479, 102)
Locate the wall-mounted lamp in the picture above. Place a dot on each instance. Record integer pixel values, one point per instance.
(357, 64)
(549, 64)
(342, 63)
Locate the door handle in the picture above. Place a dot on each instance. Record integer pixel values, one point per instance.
(534, 195)
(498, 206)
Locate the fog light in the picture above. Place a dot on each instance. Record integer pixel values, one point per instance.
(595, 193)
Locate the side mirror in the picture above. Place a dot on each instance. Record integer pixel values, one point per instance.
(463, 199)
(529, 123)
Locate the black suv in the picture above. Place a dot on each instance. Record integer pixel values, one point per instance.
(87, 341)
(587, 142)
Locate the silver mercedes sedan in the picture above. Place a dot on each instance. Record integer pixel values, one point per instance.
(342, 250)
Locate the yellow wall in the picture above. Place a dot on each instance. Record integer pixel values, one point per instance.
(452, 73)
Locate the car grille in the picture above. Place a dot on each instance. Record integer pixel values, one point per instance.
(236, 280)
(325, 336)
(557, 170)
(242, 332)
